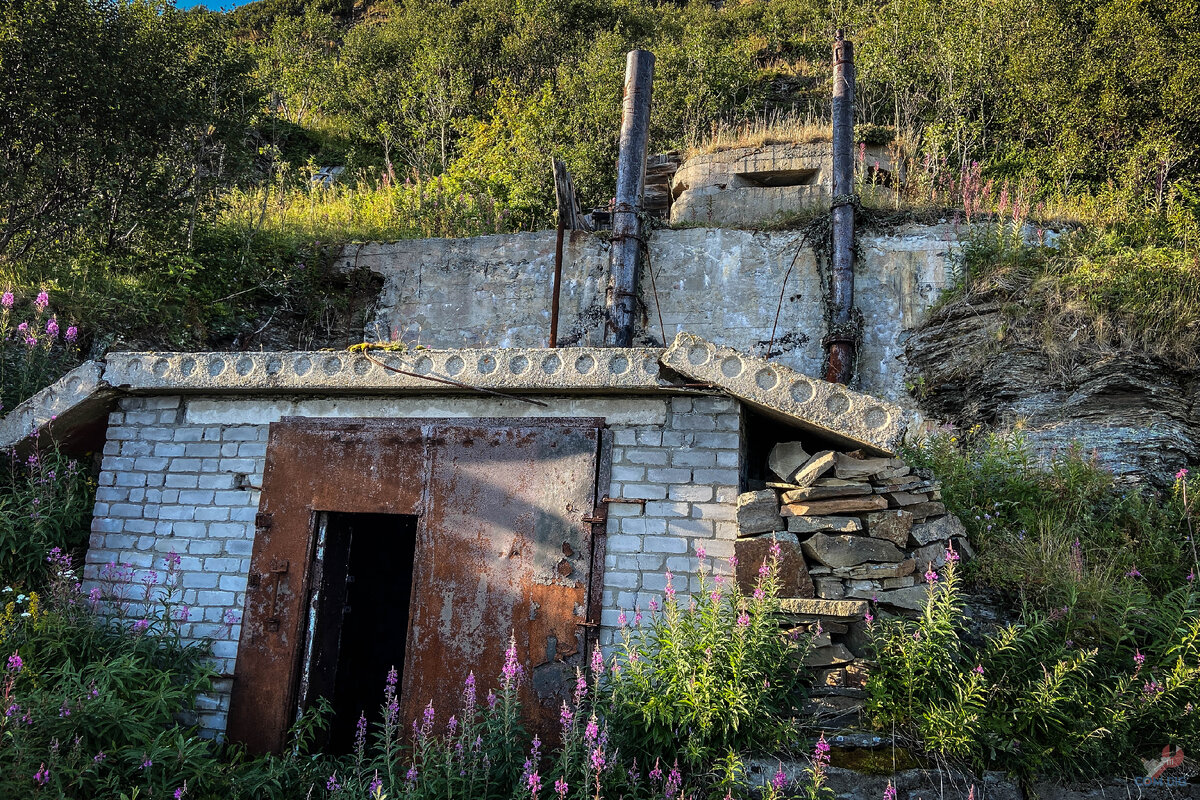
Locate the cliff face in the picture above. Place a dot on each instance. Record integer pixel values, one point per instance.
(970, 363)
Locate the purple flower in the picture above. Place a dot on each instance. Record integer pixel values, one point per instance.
(869, 617)
(15, 663)
(656, 773)
(427, 718)
(1178, 475)
(469, 691)
(52, 328)
(411, 775)
(72, 333)
(733, 561)
(597, 661)
(141, 625)
(42, 300)
(951, 553)
(779, 780)
(931, 576)
(763, 570)
(890, 792)
(654, 605)
(6, 300)
(13, 709)
(99, 758)
(743, 620)
(23, 327)
(375, 785)
(565, 718)
(512, 670)
(560, 788)
(42, 776)
(392, 677)
(622, 620)
(701, 553)
(491, 699)
(1139, 658)
(821, 753)
(670, 591)
(147, 764)
(181, 791)
(978, 669)
(332, 785)
(1133, 573)
(674, 781)
(637, 619)
(598, 759)
(64, 710)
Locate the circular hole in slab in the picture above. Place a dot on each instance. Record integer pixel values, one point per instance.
(876, 418)
(274, 366)
(551, 364)
(487, 364)
(766, 379)
(424, 365)
(518, 364)
(187, 366)
(216, 366)
(455, 365)
(160, 367)
(619, 365)
(802, 390)
(837, 403)
(303, 366)
(699, 354)
(585, 364)
(331, 365)
(244, 366)
(361, 366)
(732, 367)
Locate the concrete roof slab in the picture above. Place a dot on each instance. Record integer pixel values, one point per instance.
(829, 409)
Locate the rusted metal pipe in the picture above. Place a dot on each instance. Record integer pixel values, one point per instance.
(558, 264)
(840, 342)
(631, 178)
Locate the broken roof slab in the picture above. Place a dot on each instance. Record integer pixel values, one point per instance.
(84, 394)
(828, 409)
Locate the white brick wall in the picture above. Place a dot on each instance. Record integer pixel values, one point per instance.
(169, 483)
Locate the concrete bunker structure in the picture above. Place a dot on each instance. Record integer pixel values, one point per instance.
(525, 492)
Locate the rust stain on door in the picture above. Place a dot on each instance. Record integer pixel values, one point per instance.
(502, 550)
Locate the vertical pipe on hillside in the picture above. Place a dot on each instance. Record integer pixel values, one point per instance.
(631, 177)
(840, 342)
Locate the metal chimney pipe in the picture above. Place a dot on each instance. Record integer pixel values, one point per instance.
(631, 178)
(840, 342)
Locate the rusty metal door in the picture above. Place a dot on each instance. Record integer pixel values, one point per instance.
(506, 509)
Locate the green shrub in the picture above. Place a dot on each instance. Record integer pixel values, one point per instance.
(704, 681)
(45, 502)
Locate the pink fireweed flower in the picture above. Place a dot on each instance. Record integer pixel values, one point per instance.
(72, 333)
(637, 619)
(670, 591)
(560, 788)
(52, 328)
(763, 570)
(598, 759)
(42, 300)
(779, 780)
(890, 792)
(23, 327)
(469, 691)
(978, 669)
(141, 625)
(99, 758)
(375, 785)
(622, 620)
(1139, 658)
(821, 753)
(180, 792)
(775, 549)
(656, 773)
(427, 718)
(701, 553)
(1191, 576)
(1133, 573)
(42, 776)
(869, 617)
(580, 687)
(743, 620)
(759, 594)
(1181, 474)
(566, 718)
(411, 775)
(147, 764)
(6, 300)
(931, 575)
(733, 561)
(491, 699)
(592, 731)
(951, 553)
(15, 663)
(597, 660)
(512, 670)
(654, 605)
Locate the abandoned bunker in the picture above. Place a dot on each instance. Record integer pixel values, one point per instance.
(331, 515)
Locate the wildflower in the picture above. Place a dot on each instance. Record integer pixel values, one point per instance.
(779, 780)
(72, 333)
(13, 709)
(931, 575)
(733, 561)
(451, 725)
(656, 773)
(183, 613)
(42, 300)
(951, 553)
(1133, 573)
(392, 678)
(566, 718)
(670, 591)
(375, 785)
(23, 327)
(64, 710)
(52, 328)
(701, 553)
(978, 669)
(622, 620)
(654, 605)
(637, 619)
(759, 594)
(99, 758)
(42, 776)
(598, 759)
(512, 670)
(427, 718)
(560, 788)
(674, 781)
(332, 785)
(821, 753)
(469, 691)
(1151, 688)
(533, 782)
(172, 559)
(597, 661)
(743, 620)
(580, 687)
(6, 300)
(890, 792)
(15, 663)
(411, 775)
(147, 764)
(763, 569)
(1181, 474)
(491, 699)
(1139, 658)
(592, 731)
(181, 791)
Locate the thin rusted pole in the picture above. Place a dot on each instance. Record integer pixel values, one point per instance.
(840, 342)
(631, 178)
(558, 259)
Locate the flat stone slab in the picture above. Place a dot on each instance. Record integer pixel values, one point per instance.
(819, 524)
(829, 409)
(938, 530)
(74, 400)
(839, 609)
(786, 458)
(843, 489)
(844, 505)
(566, 369)
(849, 550)
(894, 526)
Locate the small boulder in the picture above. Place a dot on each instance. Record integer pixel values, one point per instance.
(892, 526)
(785, 459)
(758, 512)
(848, 550)
(937, 530)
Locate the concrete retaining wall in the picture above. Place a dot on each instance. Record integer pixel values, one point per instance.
(722, 285)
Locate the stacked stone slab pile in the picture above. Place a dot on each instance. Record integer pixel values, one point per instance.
(851, 529)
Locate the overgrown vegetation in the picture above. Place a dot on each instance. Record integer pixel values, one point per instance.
(1105, 653)
(160, 175)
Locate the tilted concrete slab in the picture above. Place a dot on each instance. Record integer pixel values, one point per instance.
(569, 369)
(75, 400)
(829, 409)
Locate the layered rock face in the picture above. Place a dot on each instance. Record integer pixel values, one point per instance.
(1139, 416)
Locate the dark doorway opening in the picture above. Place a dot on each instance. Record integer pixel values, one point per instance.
(359, 615)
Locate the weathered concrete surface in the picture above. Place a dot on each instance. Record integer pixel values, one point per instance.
(75, 400)
(724, 285)
(751, 185)
(826, 408)
(509, 370)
